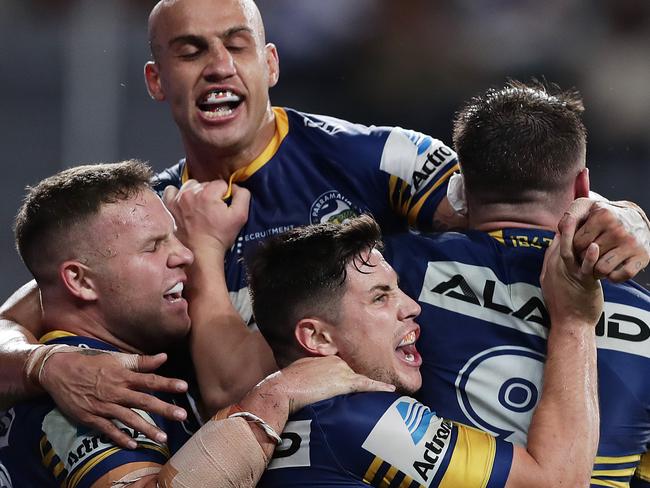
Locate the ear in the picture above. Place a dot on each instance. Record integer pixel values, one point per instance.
(315, 337)
(273, 63)
(581, 184)
(152, 80)
(77, 279)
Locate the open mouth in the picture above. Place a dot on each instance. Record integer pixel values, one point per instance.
(175, 293)
(216, 104)
(406, 348)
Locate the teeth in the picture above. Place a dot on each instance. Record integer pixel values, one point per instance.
(408, 339)
(219, 97)
(176, 289)
(219, 111)
(409, 357)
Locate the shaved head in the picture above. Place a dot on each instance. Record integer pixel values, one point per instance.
(166, 10)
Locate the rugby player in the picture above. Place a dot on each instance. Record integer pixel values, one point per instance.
(102, 248)
(522, 156)
(332, 293)
(212, 64)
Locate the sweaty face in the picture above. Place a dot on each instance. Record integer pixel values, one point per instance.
(377, 333)
(214, 70)
(138, 267)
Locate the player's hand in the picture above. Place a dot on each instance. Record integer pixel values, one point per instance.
(572, 293)
(310, 380)
(92, 388)
(620, 231)
(203, 217)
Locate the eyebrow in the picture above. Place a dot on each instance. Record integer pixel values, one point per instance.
(187, 39)
(200, 40)
(380, 288)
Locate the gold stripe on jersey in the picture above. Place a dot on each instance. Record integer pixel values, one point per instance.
(614, 472)
(413, 213)
(617, 460)
(407, 482)
(55, 334)
(498, 235)
(471, 461)
(610, 483)
(371, 472)
(386, 480)
(643, 469)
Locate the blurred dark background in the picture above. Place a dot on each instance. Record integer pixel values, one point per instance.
(71, 88)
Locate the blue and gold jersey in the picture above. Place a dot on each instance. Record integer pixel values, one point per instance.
(321, 169)
(384, 440)
(483, 341)
(40, 447)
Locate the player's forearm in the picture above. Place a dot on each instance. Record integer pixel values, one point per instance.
(15, 345)
(563, 435)
(230, 452)
(20, 321)
(229, 359)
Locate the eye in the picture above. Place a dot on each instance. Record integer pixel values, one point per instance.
(379, 298)
(189, 55)
(152, 246)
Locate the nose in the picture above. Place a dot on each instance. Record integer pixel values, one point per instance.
(220, 64)
(179, 255)
(409, 309)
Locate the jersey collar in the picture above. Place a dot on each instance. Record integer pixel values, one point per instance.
(242, 174)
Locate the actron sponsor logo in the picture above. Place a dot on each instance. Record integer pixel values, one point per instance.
(432, 162)
(433, 450)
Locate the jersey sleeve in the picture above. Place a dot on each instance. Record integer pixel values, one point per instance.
(419, 169)
(413, 447)
(77, 457)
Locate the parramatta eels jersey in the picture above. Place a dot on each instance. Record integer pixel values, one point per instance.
(483, 341)
(384, 440)
(321, 169)
(41, 448)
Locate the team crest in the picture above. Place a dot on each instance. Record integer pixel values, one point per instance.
(332, 207)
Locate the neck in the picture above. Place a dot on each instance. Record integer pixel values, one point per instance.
(489, 217)
(206, 162)
(80, 319)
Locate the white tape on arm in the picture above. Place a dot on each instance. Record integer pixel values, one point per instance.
(222, 454)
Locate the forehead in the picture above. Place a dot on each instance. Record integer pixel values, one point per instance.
(173, 18)
(132, 220)
(375, 271)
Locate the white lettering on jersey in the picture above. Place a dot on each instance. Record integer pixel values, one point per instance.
(414, 157)
(475, 291)
(294, 450)
(412, 438)
(75, 446)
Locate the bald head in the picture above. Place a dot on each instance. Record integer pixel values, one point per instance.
(176, 16)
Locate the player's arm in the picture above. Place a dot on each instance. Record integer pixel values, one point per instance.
(420, 169)
(563, 434)
(231, 452)
(90, 389)
(229, 359)
(17, 342)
